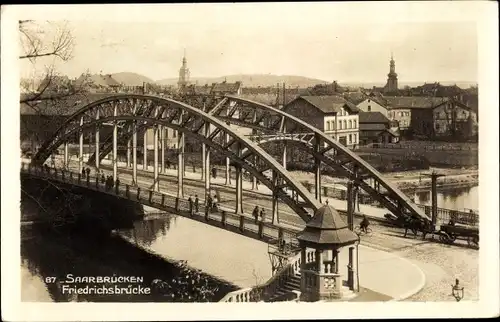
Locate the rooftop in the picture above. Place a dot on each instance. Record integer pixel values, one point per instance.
(328, 229)
(372, 117)
(414, 101)
(330, 103)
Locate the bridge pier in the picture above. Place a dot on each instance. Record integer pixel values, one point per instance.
(228, 174)
(317, 169)
(206, 163)
(239, 185)
(180, 166)
(162, 145)
(155, 162)
(284, 155)
(134, 153)
(203, 157)
(129, 147)
(66, 154)
(145, 151)
(115, 147)
(275, 214)
(254, 178)
(97, 142)
(80, 154)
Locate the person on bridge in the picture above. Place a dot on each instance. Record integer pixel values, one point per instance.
(83, 173)
(117, 182)
(168, 164)
(103, 178)
(88, 172)
(196, 203)
(214, 172)
(215, 205)
(190, 200)
(262, 215)
(364, 224)
(255, 214)
(326, 202)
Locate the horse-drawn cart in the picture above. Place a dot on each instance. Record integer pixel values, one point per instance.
(449, 233)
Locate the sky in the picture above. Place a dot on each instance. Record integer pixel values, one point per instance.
(328, 41)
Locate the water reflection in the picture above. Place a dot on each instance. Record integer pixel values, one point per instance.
(231, 257)
(461, 198)
(88, 252)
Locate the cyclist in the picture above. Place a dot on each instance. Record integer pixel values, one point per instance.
(364, 224)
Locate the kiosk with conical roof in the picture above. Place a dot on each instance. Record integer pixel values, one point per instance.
(325, 234)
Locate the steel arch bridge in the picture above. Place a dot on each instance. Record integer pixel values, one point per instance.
(273, 125)
(133, 112)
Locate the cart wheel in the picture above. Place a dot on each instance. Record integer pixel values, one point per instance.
(473, 241)
(443, 237)
(453, 237)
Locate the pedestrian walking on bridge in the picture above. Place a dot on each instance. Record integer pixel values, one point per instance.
(88, 172)
(196, 203)
(263, 215)
(255, 214)
(190, 200)
(83, 173)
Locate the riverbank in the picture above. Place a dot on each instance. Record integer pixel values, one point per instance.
(410, 181)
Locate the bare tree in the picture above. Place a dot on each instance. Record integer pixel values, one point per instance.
(46, 43)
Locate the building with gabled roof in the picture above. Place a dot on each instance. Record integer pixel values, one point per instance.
(331, 114)
(374, 127)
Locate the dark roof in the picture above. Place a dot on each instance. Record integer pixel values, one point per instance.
(372, 126)
(328, 229)
(226, 88)
(414, 101)
(355, 97)
(329, 103)
(372, 117)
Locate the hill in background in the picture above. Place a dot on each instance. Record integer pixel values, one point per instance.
(249, 80)
(131, 79)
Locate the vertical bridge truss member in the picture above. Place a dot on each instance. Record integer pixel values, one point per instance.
(129, 111)
(271, 124)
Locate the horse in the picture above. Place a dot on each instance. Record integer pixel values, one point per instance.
(415, 225)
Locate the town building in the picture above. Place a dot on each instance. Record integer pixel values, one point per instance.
(331, 114)
(450, 119)
(375, 127)
(372, 103)
(400, 109)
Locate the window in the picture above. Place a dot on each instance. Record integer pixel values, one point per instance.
(174, 133)
(334, 125)
(328, 125)
(369, 108)
(340, 125)
(437, 126)
(354, 123)
(350, 124)
(350, 138)
(345, 124)
(400, 113)
(354, 138)
(407, 113)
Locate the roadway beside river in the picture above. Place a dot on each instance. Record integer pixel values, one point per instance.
(440, 263)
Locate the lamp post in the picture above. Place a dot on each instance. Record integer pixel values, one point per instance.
(457, 291)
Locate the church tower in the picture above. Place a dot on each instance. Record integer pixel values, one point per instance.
(183, 73)
(392, 78)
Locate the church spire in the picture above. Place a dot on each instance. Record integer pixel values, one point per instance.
(183, 72)
(392, 77)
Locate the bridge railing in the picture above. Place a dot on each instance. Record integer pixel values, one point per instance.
(444, 215)
(266, 231)
(241, 223)
(266, 290)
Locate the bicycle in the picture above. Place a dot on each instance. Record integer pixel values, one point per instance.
(358, 231)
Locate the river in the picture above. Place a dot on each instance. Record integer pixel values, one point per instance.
(150, 247)
(459, 198)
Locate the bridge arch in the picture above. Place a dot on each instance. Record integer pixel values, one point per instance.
(152, 111)
(272, 124)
